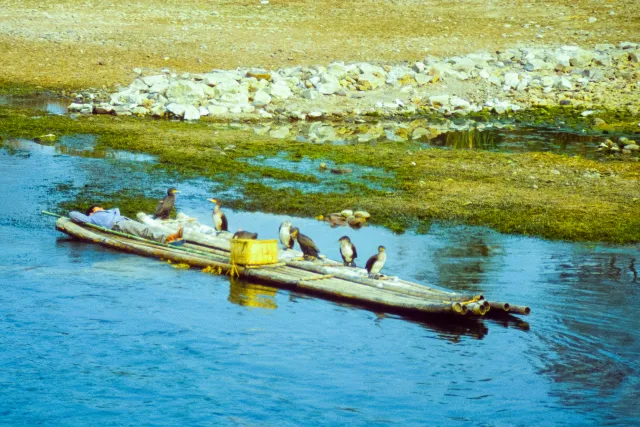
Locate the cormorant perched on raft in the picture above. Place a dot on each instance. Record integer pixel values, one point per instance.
(376, 262)
(285, 235)
(165, 205)
(245, 235)
(348, 251)
(308, 248)
(219, 218)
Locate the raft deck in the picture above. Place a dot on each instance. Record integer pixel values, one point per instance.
(322, 277)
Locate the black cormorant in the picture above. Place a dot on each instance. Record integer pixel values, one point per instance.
(285, 235)
(348, 251)
(308, 248)
(165, 205)
(219, 218)
(376, 262)
(245, 235)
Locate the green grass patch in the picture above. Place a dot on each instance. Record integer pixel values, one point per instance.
(539, 194)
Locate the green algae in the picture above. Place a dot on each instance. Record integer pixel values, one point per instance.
(540, 194)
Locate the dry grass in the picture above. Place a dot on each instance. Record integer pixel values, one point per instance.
(81, 44)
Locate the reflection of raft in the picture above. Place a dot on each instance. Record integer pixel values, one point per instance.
(328, 278)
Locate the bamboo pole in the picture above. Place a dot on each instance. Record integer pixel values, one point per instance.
(500, 306)
(424, 293)
(477, 308)
(195, 260)
(520, 309)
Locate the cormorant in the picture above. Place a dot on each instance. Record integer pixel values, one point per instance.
(309, 249)
(219, 218)
(245, 235)
(165, 205)
(285, 235)
(376, 262)
(348, 251)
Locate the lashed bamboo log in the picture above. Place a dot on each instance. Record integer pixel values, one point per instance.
(416, 292)
(519, 309)
(330, 283)
(141, 247)
(500, 306)
(477, 308)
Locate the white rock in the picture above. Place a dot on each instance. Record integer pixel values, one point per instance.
(217, 110)
(459, 103)
(203, 111)
(159, 88)
(215, 78)
(139, 111)
(564, 84)
(437, 100)
(328, 84)
(281, 90)
(280, 133)
(227, 86)
(375, 81)
(261, 98)
(420, 132)
(495, 80)
(337, 69)
(233, 99)
(419, 67)
(522, 85)
(154, 80)
(184, 92)
(592, 19)
(484, 74)
(309, 94)
(422, 79)
(176, 109)
(511, 80)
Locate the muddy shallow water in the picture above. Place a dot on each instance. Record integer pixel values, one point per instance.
(89, 335)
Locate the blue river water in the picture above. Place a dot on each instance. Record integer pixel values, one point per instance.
(93, 336)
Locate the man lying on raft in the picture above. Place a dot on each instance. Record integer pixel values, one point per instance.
(112, 220)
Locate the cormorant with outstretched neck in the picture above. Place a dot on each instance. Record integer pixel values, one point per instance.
(376, 262)
(219, 218)
(285, 235)
(165, 205)
(240, 234)
(307, 246)
(348, 251)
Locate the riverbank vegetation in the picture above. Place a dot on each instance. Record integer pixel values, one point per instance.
(403, 186)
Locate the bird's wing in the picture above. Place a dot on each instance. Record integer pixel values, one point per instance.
(355, 253)
(159, 207)
(225, 225)
(370, 262)
(312, 244)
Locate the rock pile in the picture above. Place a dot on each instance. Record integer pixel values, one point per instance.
(498, 82)
(623, 146)
(346, 217)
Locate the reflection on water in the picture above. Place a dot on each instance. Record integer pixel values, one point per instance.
(465, 262)
(246, 294)
(79, 146)
(87, 319)
(516, 139)
(49, 103)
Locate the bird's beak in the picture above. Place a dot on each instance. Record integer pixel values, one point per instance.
(176, 191)
(212, 200)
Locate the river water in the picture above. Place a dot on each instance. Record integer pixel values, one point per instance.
(93, 336)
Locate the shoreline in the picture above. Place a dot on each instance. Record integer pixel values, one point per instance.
(605, 77)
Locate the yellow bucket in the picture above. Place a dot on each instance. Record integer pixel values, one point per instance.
(254, 252)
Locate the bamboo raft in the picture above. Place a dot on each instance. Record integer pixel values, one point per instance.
(326, 278)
